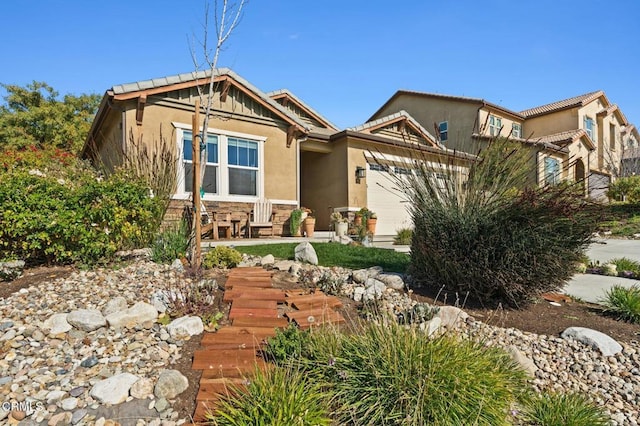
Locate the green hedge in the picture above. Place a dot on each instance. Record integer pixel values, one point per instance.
(72, 217)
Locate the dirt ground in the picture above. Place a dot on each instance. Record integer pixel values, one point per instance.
(541, 317)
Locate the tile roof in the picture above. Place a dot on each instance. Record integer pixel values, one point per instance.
(560, 138)
(195, 75)
(400, 114)
(563, 104)
(304, 104)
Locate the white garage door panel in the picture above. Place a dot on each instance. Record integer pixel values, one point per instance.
(383, 198)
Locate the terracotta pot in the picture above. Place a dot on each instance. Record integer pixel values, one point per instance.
(309, 225)
(357, 220)
(371, 225)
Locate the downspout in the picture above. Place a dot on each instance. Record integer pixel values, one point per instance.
(298, 177)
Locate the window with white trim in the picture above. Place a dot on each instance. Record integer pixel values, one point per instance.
(495, 125)
(551, 171)
(516, 130)
(233, 168)
(443, 130)
(589, 127)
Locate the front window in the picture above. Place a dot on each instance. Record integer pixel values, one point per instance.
(588, 127)
(516, 130)
(612, 136)
(495, 125)
(243, 166)
(231, 165)
(443, 130)
(551, 171)
(210, 178)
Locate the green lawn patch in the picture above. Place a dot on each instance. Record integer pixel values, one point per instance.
(330, 254)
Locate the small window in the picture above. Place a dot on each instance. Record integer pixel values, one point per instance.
(495, 125)
(551, 171)
(210, 179)
(378, 167)
(516, 130)
(612, 136)
(443, 130)
(588, 127)
(401, 171)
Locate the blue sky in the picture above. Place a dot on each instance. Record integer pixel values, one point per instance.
(344, 58)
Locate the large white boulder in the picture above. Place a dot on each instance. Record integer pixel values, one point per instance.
(113, 390)
(86, 319)
(185, 327)
(600, 341)
(138, 314)
(57, 324)
(304, 252)
(170, 384)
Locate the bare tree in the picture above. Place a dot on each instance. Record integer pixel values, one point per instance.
(226, 17)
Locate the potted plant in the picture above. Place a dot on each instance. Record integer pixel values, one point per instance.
(295, 220)
(372, 220)
(309, 222)
(361, 216)
(340, 224)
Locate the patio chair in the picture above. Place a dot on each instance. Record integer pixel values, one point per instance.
(221, 221)
(261, 216)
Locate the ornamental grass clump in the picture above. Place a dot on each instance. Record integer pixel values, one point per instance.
(278, 396)
(623, 303)
(492, 233)
(552, 409)
(392, 375)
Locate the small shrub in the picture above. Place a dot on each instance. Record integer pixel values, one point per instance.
(222, 257)
(171, 244)
(623, 302)
(625, 189)
(419, 313)
(551, 409)
(279, 396)
(390, 375)
(403, 236)
(196, 298)
(626, 265)
(286, 344)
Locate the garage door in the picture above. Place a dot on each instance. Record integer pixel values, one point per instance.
(384, 198)
(598, 186)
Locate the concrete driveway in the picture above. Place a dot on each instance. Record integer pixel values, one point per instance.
(591, 288)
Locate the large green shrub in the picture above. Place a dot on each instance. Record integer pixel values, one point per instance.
(625, 189)
(391, 375)
(72, 215)
(495, 235)
(623, 302)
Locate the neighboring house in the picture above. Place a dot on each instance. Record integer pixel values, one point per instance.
(265, 145)
(573, 139)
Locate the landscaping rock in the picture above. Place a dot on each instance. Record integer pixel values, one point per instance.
(393, 281)
(523, 361)
(358, 294)
(600, 341)
(295, 269)
(361, 276)
(373, 289)
(113, 390)
(11, 270)
(283, 265)
(57, 324)
(86, 319)
(160, 301)
(304, 252)
(136, 254)
(268, 260)
(78, 415)
(185, 327)
(116, 304)
(142, 389)
(451, 316)
(342, 239)
(432, 326)
(177, 265)
(171, 383)
(139, 313)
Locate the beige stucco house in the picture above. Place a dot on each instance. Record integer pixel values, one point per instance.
(265, 145)
(579, 139)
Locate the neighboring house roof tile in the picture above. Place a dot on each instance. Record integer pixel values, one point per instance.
(287, 92)
(576, 101)
(196, 75)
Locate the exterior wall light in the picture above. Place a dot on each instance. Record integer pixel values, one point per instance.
(361, 173)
